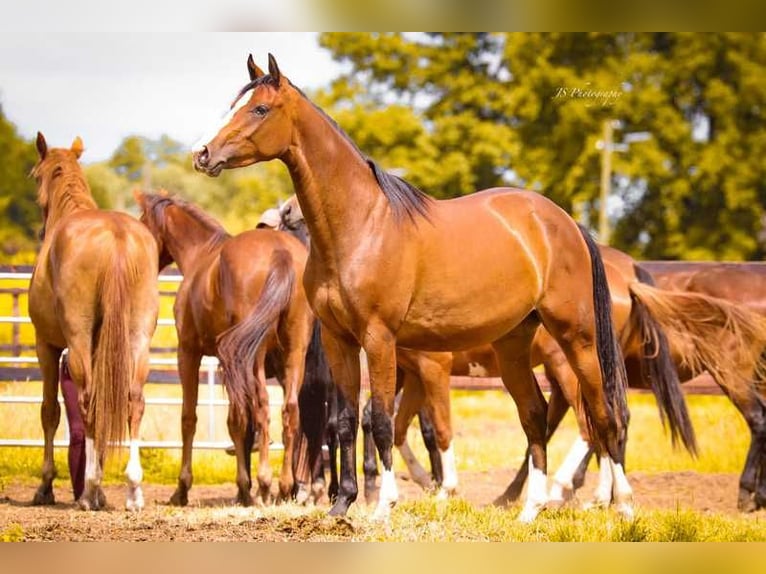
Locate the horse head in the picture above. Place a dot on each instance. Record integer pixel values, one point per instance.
(258, 126)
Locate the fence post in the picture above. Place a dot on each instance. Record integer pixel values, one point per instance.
(15, 328)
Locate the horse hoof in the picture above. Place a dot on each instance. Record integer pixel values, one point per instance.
(44, 498)
(625, 510)
(244, 499)
(383, 511)
(340, 508)
(179, 498)
(529, 513)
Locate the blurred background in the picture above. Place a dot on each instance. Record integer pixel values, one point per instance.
(655, 141)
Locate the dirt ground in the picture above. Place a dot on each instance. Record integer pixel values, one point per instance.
(210, 515)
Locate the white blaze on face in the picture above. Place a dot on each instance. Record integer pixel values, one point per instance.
(209, 134)
(477, 370)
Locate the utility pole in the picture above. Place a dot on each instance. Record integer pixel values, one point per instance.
(606, 182)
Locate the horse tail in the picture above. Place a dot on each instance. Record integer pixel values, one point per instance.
(711, 334)
(615, 379)
(238, 346)
(113, 367)
(658, 369)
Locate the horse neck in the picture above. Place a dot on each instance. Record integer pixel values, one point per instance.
(72, 196)
(186, 238)
(336, 189)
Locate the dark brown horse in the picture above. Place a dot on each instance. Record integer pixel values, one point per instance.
(747, 289)
(662, 334)
(241, 300)
(94, 291)
(388, 266)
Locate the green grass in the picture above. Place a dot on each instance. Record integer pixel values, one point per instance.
(428, 520)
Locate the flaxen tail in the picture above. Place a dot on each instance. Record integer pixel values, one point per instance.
(658, 369)
(613, 373)
(239, 345)
(711, 334)
(112, 359)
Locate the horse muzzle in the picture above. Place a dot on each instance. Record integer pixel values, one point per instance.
(202, 162)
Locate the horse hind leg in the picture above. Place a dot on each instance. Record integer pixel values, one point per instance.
(133, 471)
(594, 356)
(513, 353)
(412, 399)
(50, 416)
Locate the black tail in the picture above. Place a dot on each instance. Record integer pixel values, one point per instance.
(239, 344)
(658, 369)
(609, 352)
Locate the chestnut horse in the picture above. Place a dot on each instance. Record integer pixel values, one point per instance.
(390, 266)
(240, 300)
(93, 291)
(747, 289)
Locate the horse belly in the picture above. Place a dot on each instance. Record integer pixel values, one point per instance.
(458, 328)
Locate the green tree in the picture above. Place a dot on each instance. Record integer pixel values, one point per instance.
(529, 109)
(130, 157)
(18, 208)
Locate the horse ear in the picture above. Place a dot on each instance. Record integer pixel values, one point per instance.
(138, 196)
(253, 69)
(274, 69)
(77, 147)
(42, 146)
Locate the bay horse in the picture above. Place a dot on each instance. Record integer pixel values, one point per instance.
(387, 268)
(425, 375)
(641, 339)
(747, 289)
(94, 291)
(240, 300)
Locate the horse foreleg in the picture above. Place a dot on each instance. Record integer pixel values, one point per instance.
(343, 359)
(369, 456)
(380, 347)
(332, 439)
(50, 415)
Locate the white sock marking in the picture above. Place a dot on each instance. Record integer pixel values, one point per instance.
(537, 487)
(604, 488)
(563, 477)
(388, 495)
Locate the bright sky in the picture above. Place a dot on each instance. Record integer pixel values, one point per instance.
(105, 86)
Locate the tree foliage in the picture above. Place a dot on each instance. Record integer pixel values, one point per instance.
(460, 112)
(19, 213)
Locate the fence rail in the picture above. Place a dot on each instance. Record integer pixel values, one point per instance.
(17, 366)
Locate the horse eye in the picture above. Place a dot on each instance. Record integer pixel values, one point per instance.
(261, 110)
